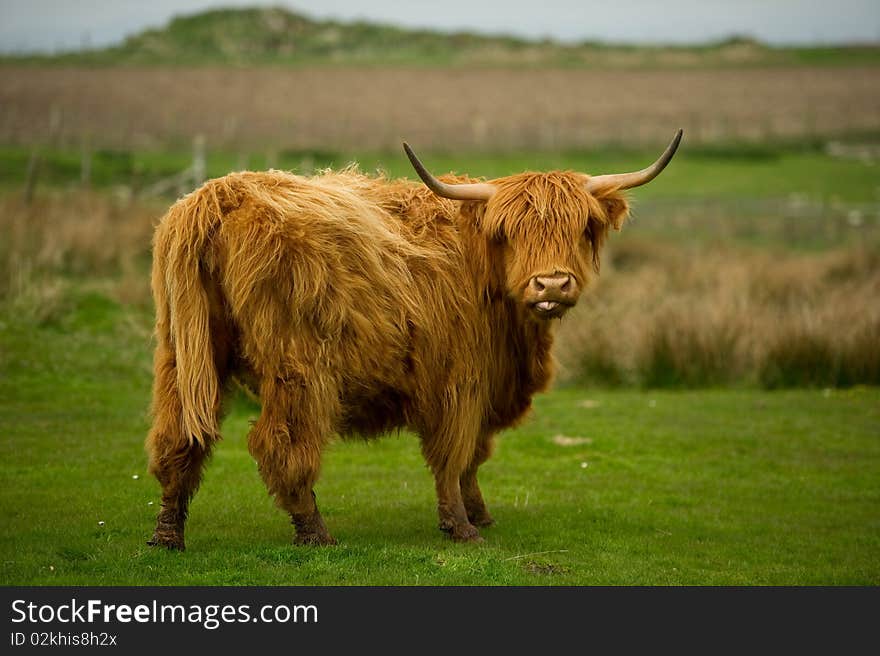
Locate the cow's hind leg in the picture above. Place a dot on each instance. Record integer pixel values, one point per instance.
(175, 459)
(179, 470)
(470, 488)
(286, 441)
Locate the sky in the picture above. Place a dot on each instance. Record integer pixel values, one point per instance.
(54, 25)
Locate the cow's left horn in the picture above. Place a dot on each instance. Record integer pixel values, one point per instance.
(473, 191)
(630, 180)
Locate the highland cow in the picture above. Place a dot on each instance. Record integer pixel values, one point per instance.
(357, 305)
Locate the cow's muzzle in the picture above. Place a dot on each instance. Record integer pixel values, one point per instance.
(550, 296)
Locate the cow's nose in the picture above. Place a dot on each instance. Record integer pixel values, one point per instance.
(550, 296)
(560, 285)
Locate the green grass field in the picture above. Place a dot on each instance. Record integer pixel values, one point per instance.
(697, 487)
(734, 172)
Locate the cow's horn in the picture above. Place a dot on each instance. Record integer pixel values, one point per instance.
(474, 191)
(629, 180)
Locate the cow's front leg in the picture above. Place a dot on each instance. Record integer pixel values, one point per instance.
(471, 494)
(449, 450)
(470, 488)
(450, 506)
(473, 500)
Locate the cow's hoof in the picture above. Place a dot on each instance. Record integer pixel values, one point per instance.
(314, 539)
(170, 542)
(482, 521)
(467, 533)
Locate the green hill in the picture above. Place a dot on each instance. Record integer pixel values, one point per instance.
(257, 36)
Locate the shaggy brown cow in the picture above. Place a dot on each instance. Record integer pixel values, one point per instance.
(358, 305)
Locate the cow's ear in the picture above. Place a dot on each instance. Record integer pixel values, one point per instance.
(616, 209)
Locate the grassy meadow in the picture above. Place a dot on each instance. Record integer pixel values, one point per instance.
(599, 487)
(671, 452)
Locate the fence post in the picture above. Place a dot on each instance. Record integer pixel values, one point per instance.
(199, 165)
(33, 172)
(56, 118)
(271, 159)
(85, 164)
(242, 161)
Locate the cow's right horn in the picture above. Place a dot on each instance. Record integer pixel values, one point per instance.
(471, 191)
(637, 178)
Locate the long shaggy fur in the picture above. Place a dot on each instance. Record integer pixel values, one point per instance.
(356, 305)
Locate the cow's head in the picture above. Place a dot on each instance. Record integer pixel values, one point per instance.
(548, 227)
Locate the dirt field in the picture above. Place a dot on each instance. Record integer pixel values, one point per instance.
(436, 109)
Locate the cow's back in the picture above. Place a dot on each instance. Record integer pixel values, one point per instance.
(323, 281)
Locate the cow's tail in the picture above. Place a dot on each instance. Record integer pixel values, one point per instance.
(183, 310)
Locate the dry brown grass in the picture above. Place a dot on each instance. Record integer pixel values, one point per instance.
(676, 316)
(372, 108)
(63, 236)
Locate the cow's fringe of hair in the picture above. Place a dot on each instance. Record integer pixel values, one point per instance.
(546, 217)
